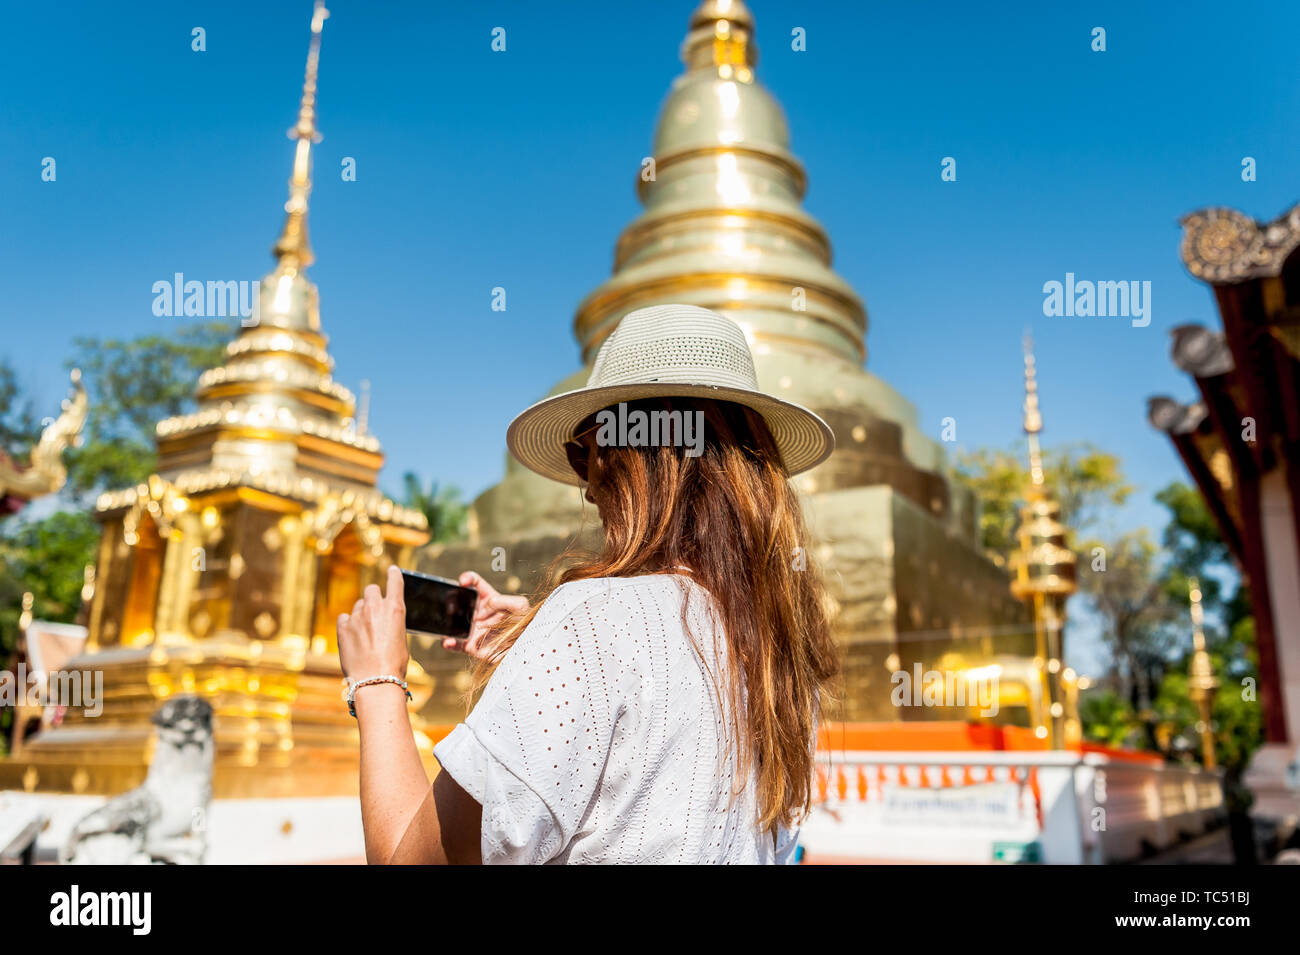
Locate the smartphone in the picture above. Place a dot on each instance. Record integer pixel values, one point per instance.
(438, 606)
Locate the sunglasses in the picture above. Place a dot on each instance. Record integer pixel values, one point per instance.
(579, 454)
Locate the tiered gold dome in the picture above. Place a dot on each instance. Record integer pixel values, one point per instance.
(723, 221)
(724, 228)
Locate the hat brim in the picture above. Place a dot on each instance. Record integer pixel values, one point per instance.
(537, 435)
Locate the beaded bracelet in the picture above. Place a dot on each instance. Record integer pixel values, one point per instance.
(356, 685)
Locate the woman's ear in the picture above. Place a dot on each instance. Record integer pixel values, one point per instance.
(596, 464)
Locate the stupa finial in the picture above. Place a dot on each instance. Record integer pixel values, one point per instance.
(1033, 419)
(722, 35)
(292, 248)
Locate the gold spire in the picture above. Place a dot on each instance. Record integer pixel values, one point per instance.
(721, 35)
(1202, 682)
(272, 410)
(723, 224)
(1033, 421)
(292, 244)
(1044, 566)
(1198, 615)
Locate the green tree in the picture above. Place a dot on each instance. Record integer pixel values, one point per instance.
(442, 506)
(46, 558)
(1082, 478)
(1125, 585)
(1108, 718)
(1121, 577)
(1197, 549)
(134, 384)
(20, 429)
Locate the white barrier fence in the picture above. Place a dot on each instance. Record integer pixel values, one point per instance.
(1053, 807)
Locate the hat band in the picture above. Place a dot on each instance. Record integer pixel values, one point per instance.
(679, 376)
(687, 359)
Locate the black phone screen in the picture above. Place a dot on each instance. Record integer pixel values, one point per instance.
(438, 606)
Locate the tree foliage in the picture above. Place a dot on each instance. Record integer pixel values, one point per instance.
(19, 426)
(1138, 586)
(134, 384)
(441, 506)
(1083, 479)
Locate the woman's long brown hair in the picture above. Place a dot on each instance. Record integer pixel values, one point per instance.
(731, 516)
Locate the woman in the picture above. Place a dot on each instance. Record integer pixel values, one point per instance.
(659, 702)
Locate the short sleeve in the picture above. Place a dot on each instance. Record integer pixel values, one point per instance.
(533, 749)
(517, 825)
(787, 841)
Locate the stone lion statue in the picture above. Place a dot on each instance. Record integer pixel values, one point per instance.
(165, 819)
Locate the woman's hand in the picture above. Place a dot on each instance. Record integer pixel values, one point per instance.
(372, 639)
(491, 609)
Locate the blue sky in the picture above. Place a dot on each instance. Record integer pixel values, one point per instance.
(478, 169)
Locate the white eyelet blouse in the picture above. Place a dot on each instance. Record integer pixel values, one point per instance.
(599, 738)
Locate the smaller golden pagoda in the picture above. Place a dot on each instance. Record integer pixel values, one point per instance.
(224, 574)
(1045, 576)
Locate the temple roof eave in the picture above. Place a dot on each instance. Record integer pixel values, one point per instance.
(284, 423)
(301, 490)
(263, 375)
(1222, 246)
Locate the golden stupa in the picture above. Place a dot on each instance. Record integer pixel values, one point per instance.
(723, 228)
(224, 573)
(1045, 577)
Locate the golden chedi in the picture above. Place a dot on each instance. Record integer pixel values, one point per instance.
(224, 574)
(723, 228)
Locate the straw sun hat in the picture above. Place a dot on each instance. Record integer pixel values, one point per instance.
(666, 351)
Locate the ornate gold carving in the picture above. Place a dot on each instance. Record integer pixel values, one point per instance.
(271, 340)
(157, 498)
(336, 513)
(258, 416)
(313, 490)
(1223, 246)
(282, 373)
(46, 473)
